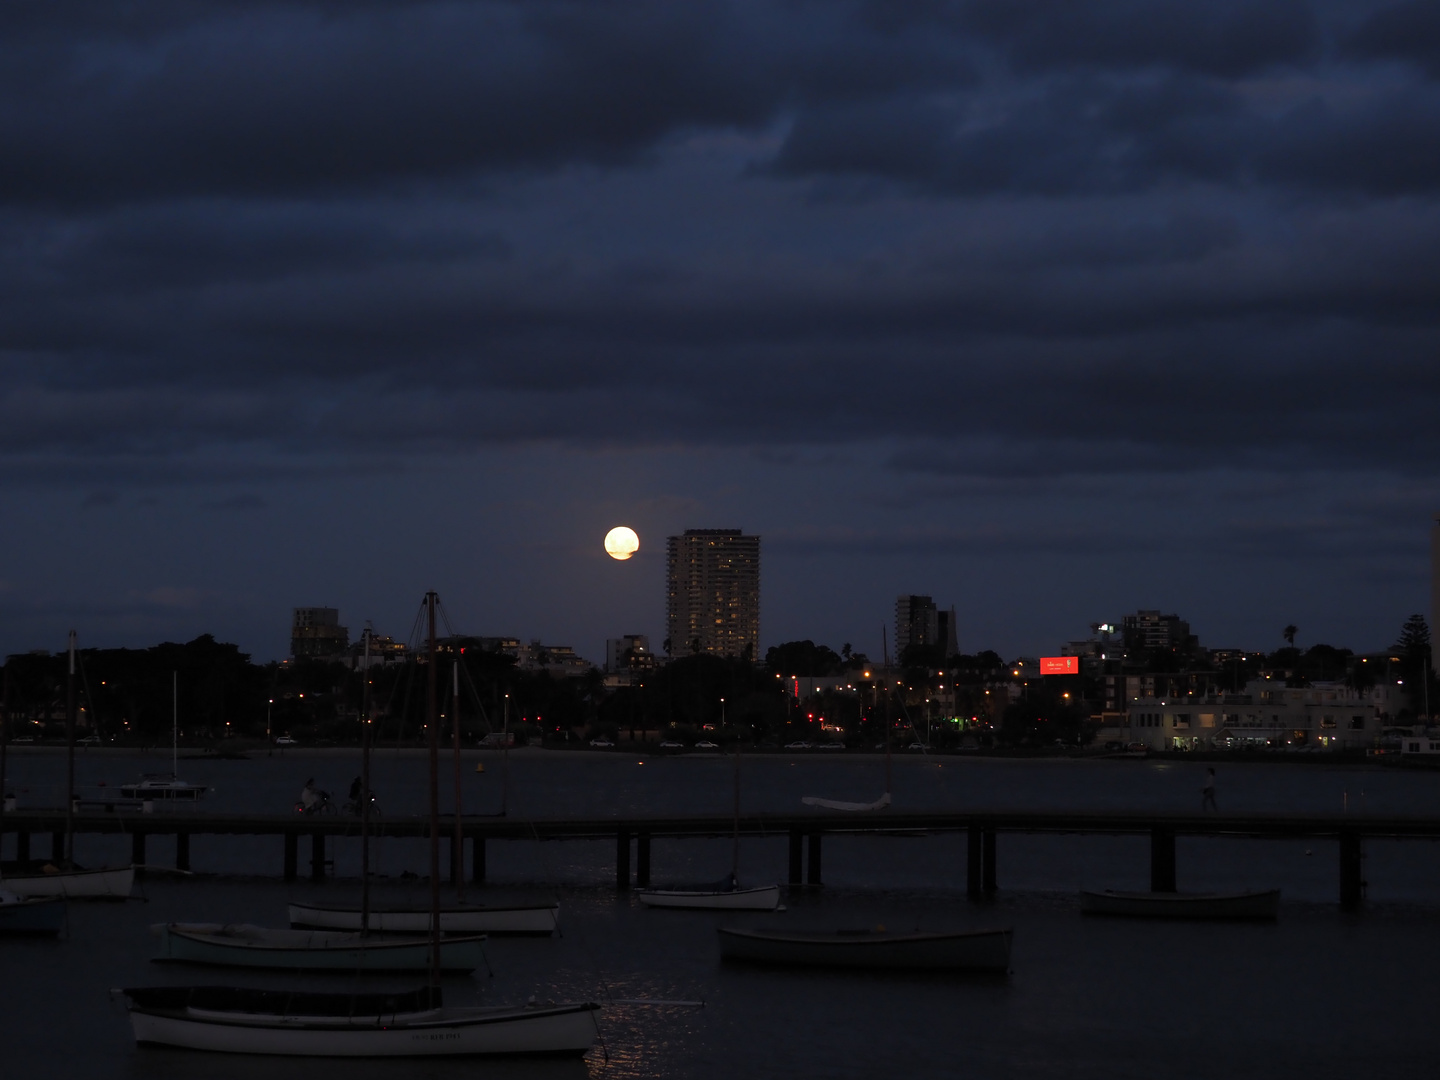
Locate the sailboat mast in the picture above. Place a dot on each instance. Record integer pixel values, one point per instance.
(432, 724)
(458, 858)
(735, 840)
(175, 726)
(4, 747)
(70, 757)
(365, 791)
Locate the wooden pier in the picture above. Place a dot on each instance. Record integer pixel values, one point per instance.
(806, 833)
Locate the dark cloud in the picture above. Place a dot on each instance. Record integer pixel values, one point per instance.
(303, 236)
(1225, 37)
(1407, 31)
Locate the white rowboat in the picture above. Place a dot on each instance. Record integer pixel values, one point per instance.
(972, 950)
(328, 1025)
(243, 945)
(1177, 905)
(73, 884)
(761, 898)
(540, 918)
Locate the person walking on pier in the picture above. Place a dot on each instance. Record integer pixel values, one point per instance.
(1207, 793)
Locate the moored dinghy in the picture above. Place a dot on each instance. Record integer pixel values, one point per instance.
(73, 884)
(725, 895)
(535, 918)
(243, 945)
(244, 1021)
(43, 916)
(1259, 905)
(968, 950)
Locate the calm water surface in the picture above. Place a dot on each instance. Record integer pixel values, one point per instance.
(1316, 995)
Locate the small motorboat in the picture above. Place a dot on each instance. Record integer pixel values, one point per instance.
(1177, 905)
(42, 916)
(162, 786)
(532, 918)
(967, 950)
(414, 1024)
(73, 884)
(244, 945)
(723, 895)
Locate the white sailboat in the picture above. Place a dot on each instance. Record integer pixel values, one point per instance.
(167, 785)
(724, 895)
(244, 1021)
(542, 918)
(244, 945)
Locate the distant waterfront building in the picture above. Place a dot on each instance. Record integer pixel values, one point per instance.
(917, 622)
(712, 593)
(1147, 630)
(316, 632)
(628, 653)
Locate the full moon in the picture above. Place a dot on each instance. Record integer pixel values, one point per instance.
(621, 542)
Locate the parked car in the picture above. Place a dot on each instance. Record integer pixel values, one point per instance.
(917, 746)
(707, 745)
(286, 740)
(830, 746)
(798, 746)
(88, 740)
(602, 744)
(671, 744)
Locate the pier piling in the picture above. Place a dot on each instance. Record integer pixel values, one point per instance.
(477, 860)
(22, 847)
(57, 847)
(1162, 859)
(974, 870)
(182, 850)
(988, 860)
(292, 854)
(812, 872)
(622, 861)
(317, 856)
(642, 860)
(797, 838)
(137, 849)
(1352, 883)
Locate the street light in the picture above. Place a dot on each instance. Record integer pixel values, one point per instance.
(267, 719)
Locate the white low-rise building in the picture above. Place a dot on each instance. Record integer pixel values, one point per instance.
(1329, 715)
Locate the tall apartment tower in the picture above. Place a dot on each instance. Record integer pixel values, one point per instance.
(712, 593)
(316, 631)
(917, 622)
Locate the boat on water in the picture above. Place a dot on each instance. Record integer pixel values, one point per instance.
(42, 916)
(725, 895)
(162, 786)
(244, 945)
(415, 1024)
(167, 785)
(1257, 905)
(969, 950)
(72, 884)
(472, 918)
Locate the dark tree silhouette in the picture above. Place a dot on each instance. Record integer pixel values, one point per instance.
(1289, 634)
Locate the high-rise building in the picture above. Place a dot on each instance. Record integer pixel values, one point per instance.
(712, 595)
(917, 622)
(316, 631)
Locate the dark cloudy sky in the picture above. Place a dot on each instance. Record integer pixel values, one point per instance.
(1053, 310)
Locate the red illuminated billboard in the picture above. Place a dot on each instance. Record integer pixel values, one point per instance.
(1059, 665)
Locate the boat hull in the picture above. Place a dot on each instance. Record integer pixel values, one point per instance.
(189, 792)
(74, 884)
(311, 950)
(763, 898)
(562, 1030)
(43, 917)
(981, 950)
(518, 919)
(1263, 905)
